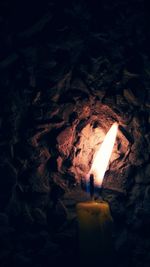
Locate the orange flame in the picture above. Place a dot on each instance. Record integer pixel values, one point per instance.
(102, 156)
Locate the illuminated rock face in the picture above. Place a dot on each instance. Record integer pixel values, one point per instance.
(85, 136)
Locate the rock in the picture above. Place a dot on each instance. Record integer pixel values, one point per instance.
(39, 180)
(44, 155)
(139, 151)
(37, 114)
(99, 93)
(118, 181)
(57, 190)
(36, 98)
(50, 112)
(57, 216)
(130, 97)
(73, 117)
(140, 177)
(83, 110)
(65, 141)
(143, 175)
(19, 213)
(117, 209)
(67, 110)
(26, 215)
(59, 163)
(79, 84)
(136, 194)
(120, 100)
(39, 217)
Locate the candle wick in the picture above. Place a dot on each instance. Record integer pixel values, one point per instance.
(92, 186)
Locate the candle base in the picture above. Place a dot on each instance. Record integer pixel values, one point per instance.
(95, 224)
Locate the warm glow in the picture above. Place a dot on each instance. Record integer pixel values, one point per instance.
(102, 156)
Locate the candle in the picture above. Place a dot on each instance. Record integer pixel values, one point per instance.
(94, 222)
(94, 217)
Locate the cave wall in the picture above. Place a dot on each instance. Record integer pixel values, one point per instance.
(67, 73)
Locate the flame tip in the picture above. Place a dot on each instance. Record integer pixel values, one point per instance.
(102, 156)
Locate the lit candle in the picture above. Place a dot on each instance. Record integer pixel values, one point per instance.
(94, 217)
(95, 223)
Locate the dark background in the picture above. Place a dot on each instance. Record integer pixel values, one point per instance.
(40, 43)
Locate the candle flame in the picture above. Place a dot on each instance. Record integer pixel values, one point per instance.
(102, 156)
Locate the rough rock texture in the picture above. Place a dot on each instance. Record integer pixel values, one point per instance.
(68, 70)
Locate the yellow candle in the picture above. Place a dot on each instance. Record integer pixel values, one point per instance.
(94, 218)
(94, 222)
